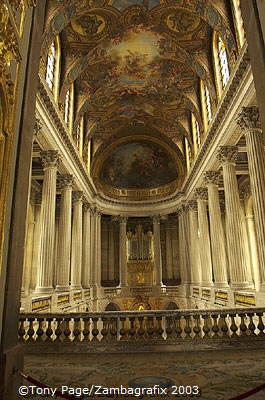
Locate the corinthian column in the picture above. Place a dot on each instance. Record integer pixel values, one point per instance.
(236, 235)
(157, 251)
(98, 249)
(219, 259)
(77, 234)
(50, 162)
(250, 123)
(204, 237)
(184, 236)
(123, 252)
(64, 237)
(86, 259)
(194, 244)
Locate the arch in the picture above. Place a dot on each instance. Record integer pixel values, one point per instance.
(171, 305)
(112, 307)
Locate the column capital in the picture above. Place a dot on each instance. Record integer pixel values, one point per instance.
(86, 206)
(211, 177)
(65, 180)
(201, 193)
(50, 158)
(78, 195)
(192, 205)
(123, 219)
(156, 218)
(227, 154)
(249, 119)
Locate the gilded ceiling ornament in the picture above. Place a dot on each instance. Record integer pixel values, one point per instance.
(50, 158)
(227, 154)
(8, 41)
(249, 119)
(212, 177)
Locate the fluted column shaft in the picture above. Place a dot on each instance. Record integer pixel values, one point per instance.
(36, 252)
(123, 252)
(184, 235)
(157, 251)
(86, 258)
(250, 124)
(77, 235)
(237, 248)
(219, 257)
(194, 244)
(111, 271)
(98, 249)
(204, 238)
(50, 161)
(169, 260)
(64, 237)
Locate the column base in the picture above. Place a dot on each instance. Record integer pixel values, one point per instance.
(205, 284)
(62, 288)
(75, 287)
(262, 287)
(223, 285)
(43, 290)
(242, 286)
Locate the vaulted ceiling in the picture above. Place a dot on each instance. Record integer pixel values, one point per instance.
(137, 62)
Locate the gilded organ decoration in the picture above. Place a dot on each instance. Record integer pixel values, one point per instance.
(140, 244)
(140, 254)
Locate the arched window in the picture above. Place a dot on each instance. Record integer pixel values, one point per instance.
(50, 66)
(196, 131)
(238, 21)
(223, 61)
(188, 152)
(78, 136)
(69, 107)
(52, 71)
(207, 110)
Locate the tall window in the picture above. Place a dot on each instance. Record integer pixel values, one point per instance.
(223, 61)
(67, 107)
(196, 133)
(188, 154)
(50, 67)
(238, 20)
(208, 104)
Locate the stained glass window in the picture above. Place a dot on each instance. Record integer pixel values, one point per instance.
(223, 61)
(50, 67)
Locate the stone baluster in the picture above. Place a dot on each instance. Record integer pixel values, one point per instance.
(86, 254)
(157, 251)
(249, 121)
(219, 257)
(123, 252)
(204, 237)
(77, 234)
(64, 237)
(50, 161)
(194, 243)
(236, 238)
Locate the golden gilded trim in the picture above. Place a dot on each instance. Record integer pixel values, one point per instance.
(63, 299)
(245, 299)
(223, 296)
(140, 266)
(77, 296)
(9, 49)
(196, 291)
(206, 293)
(136, 194)
(41, 304)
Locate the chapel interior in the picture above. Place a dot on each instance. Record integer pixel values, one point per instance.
(132, 193)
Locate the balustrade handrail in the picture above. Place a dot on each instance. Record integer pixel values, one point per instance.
(147, 313)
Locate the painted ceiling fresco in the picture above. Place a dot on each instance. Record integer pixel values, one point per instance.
(139, 165)
(137, 62)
